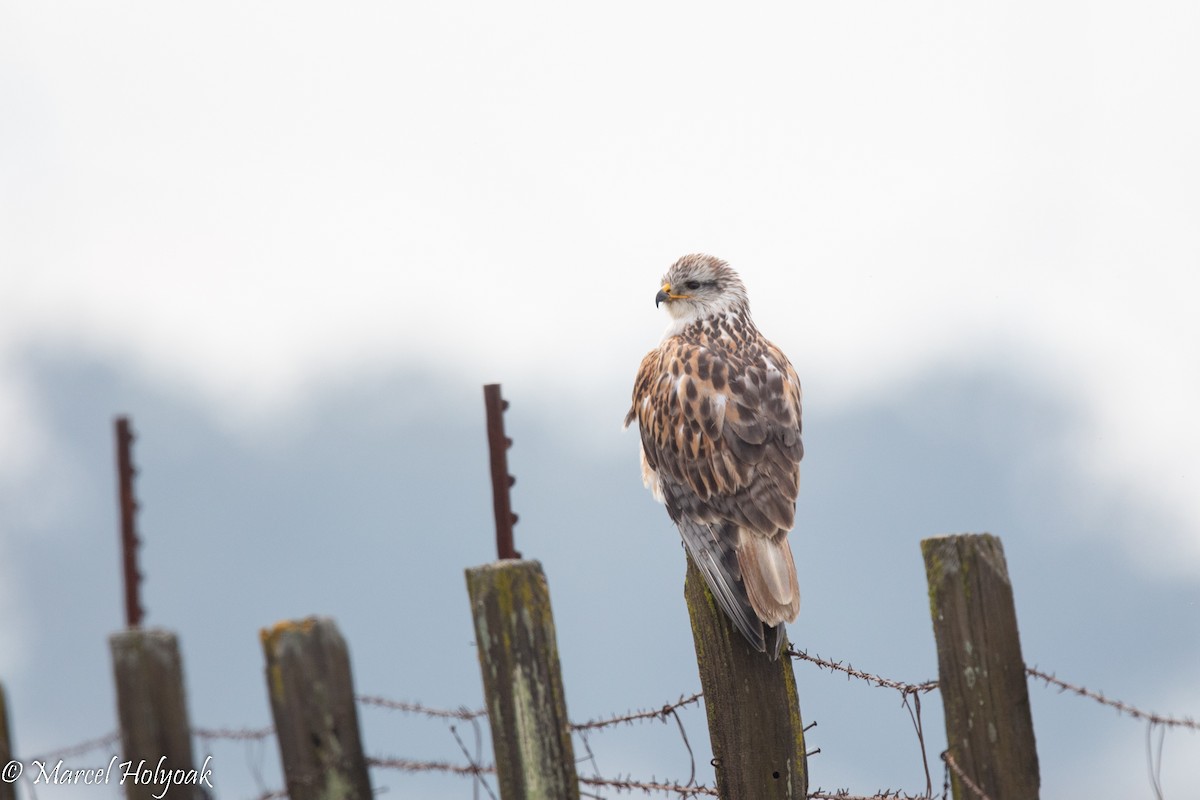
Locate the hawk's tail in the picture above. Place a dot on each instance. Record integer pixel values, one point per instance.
(769, 575)
(714, 551)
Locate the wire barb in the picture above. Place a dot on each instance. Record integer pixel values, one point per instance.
(412, 765)
(1124, 708)
(71, 751)
(661, 714)
(462, 712)
(851, 672)
(962, 776)
(885, 794)
(476, 769)
(627, 784)
(233, 734)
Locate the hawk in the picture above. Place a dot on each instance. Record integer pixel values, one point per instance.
(718, 409)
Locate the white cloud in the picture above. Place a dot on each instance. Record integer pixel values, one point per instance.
(244, 200)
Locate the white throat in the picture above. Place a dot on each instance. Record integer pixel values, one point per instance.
(682, 317)
(685, 315)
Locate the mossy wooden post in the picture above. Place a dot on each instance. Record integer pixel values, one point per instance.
(518, 656)
(312, 702)
(981, 674)
(7, 792)
(152, 708)
(752, 705)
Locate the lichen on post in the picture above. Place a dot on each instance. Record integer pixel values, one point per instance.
(518, 657)
(752, 705)
(981, 673)
(316, 719)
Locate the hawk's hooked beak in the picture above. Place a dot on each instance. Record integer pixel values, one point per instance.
(664, 294)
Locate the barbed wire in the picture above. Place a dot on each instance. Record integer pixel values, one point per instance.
(413, 765)
(851, 672)
(234, 734)
(462, 712)
(1154, 761)
(86, 746)
(660, 714)
(883, 794)
(1124, 708)
(663, 714)
(627, 784)
(957, 770)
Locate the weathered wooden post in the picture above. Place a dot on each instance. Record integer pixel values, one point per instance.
(752, 705)
(7, 790)
(981, 674)
(152, 709)
(518, 656)
(156, 737)
(518, 649)
(312, 702)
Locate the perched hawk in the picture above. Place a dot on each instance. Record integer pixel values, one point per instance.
(718, 407)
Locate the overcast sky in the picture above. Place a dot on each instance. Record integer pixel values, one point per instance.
(238, 206)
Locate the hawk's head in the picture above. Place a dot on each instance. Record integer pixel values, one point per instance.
(700, 286)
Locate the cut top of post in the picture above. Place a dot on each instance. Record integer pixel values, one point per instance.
(498, 445)
(981, 673)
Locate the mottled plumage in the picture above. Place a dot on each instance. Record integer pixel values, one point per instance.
(718, 408)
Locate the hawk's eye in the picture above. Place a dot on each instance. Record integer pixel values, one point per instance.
(693, 285)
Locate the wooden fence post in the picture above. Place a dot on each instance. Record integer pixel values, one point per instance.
(7, 790)
(518, 656)
(981, 674)
(152, 709)
(752, 705)
(312, 702)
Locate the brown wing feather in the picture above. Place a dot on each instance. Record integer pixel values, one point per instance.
(725, 425)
